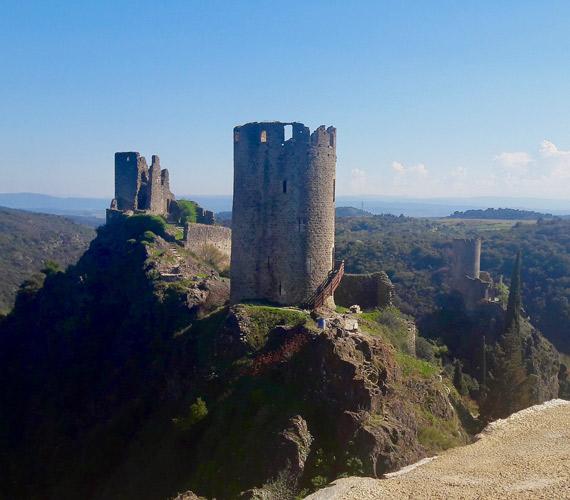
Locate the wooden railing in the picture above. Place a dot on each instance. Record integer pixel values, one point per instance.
(327, 287)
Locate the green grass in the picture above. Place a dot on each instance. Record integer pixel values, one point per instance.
(437, 434)
(414, 367)
(263, 319)
(390, 324)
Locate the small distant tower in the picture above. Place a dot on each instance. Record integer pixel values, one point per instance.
(466, 274)
(283, 212)
(466, 258)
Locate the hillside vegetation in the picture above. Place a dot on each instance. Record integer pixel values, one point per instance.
(127, 376)
(501, 213)
(28, 240)
(416, 255)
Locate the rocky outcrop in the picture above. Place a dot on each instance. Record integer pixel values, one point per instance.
(355, 408)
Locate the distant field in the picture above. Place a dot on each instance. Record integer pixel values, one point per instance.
(482, 224)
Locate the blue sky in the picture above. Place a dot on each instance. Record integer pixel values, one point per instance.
(430, 98)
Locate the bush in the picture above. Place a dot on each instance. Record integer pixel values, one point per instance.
(214, 257)
(51, 267)
(425, 350)
(198, 411)
(138, 226)
(188, 212)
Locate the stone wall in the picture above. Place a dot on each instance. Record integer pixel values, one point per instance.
(369, 291)
(283, 211)
(199, 237)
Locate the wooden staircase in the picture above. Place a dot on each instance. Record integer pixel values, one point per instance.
(327, 287)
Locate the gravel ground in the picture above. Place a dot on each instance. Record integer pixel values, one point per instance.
(524, 456)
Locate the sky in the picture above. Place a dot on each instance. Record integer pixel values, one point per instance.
(430, 98)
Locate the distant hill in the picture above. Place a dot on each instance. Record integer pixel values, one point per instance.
(501, 213)
(225, 217)
(28, 240)
(351, 212)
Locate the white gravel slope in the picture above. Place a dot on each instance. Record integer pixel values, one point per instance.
(524, 456)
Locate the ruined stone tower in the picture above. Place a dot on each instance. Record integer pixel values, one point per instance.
(139, 188)
(466, 275)
(466, 258)
(283, 212)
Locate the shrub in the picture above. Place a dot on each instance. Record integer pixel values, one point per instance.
(138, 226)
(425, 350)
(198, 411)
(188, 212)
(51, 267)
(214, 257)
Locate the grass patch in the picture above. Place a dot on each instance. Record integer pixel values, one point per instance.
(389, 323)
(263, 319)
(414, 367)
(434, 439)
(438, 434)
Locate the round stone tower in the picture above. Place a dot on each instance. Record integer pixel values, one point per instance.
(283, 211)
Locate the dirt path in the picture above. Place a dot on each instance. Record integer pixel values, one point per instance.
(524, 456)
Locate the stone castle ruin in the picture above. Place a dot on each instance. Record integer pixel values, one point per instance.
(143, 190)
(283, 214)
(466, 276)
(139, 188)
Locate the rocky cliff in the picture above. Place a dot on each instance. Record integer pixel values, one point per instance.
(127, 377)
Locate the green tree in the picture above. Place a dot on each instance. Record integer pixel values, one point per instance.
(508, 381)
(458, 378)
(188, 212)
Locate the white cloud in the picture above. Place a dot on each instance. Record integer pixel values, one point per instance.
(542, 172)
(517, 159)
(550, 150)
(401, 169)
(398, 167)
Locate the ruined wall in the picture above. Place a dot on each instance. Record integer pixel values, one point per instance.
(139, 188)
(369, 291)
(198, 237)
(283, 211)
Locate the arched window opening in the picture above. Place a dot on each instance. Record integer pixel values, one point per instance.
(288, 132)
(263, 137)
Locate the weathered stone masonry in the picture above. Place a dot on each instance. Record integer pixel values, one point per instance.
(369, 291)
(283, 211)
(198, 237)
(466, 275)
(139, 188)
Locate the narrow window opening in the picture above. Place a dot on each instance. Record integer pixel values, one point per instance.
(331, 140)
(128, 158)
(263, 137)
(288, 132)
(280, 289)
(236, 136)
(268, 263)
(334, 190)
(299, 222)
(284, 186)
